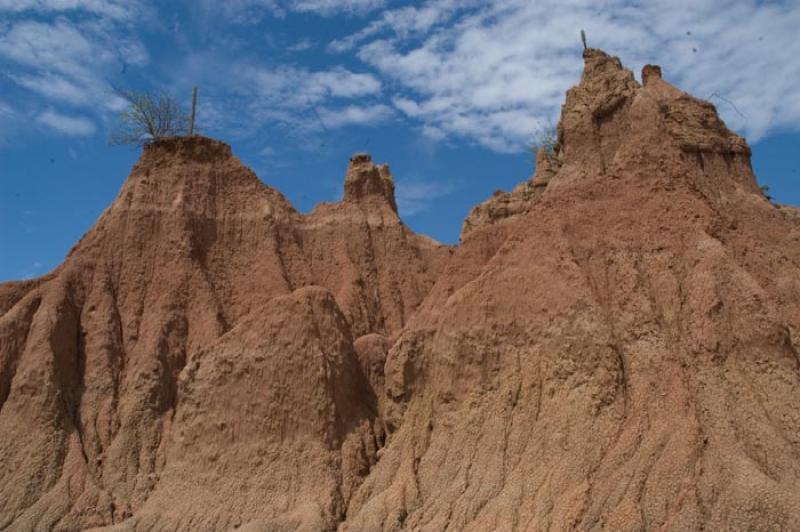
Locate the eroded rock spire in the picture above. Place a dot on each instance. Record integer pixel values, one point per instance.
(365, 179)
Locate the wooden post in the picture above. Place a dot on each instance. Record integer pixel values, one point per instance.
(194, 107)
(583, 39)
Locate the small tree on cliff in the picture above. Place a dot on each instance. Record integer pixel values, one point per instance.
(545, 137)
(147, 118)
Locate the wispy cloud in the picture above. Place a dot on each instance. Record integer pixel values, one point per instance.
(54, 87)
(32, 271)
(292, 86)
(415, 195)
(302, 45)
(252, 11)
(77, 126)
(7, 119)
(355, 115)
(5, 110)
(405, 22)
(494, 71)
(299, 100)
(332, 7)
(115, 9)
(59, 46)
(69, 63)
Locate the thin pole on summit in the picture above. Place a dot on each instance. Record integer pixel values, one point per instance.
(583, 39)
(194, 107)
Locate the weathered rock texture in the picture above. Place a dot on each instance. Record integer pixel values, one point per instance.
(614, 345)
(619, 351)
(191, 364)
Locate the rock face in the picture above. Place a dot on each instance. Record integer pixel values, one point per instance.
(199, 337)
(618, 352)
(614, 345)
(365, 180)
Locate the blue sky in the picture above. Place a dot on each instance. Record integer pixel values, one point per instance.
(448, 92)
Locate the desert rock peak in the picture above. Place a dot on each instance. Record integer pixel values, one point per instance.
(365, 179)
(606, 87)
(197, 148)
(198, 173)
(650, 72)
(608, 119)
(195, 177)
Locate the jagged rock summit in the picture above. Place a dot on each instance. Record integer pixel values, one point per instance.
(607, 117)
(613, 346)
(364, 179)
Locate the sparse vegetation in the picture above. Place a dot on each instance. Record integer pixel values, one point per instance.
(765, 191)
(147, 118)
(194, 110)
(546, 138)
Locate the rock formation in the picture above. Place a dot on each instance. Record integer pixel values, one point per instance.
(613, 345)
(618, 352)
(199, 337)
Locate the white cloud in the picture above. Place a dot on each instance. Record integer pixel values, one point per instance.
(405, 22)
(253, 11)
(54, 87)
(66, 62)
(415, 195)
(292, 86)
(495, 71)
(433, 133)
(76, 126)
(302, 45)
(297, 99)
(59, 46)
(332, 7)
(242, 11)
(7, 119)
(244, 98)
(34, 269)
(342, 83)
(115, 9)
(355, 115)
(409, 107)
